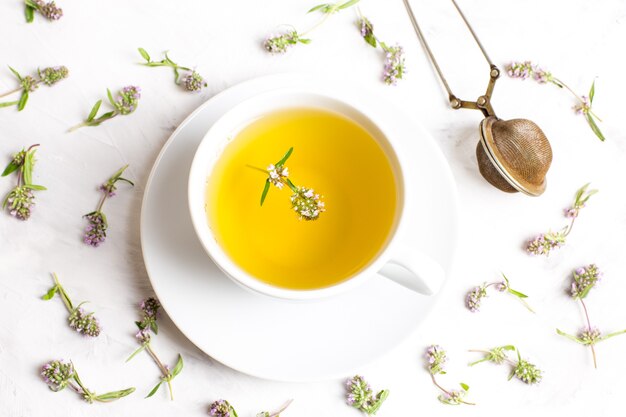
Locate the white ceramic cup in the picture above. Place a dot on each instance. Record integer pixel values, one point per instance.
(408, 266)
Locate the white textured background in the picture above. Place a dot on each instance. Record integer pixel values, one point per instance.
(578, 40)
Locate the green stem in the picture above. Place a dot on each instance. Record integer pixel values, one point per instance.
(593, 351)
(166, 374)
(318, 24)
(63, 294)
(577, 97)
(11, 92)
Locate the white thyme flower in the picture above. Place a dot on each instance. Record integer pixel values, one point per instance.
(277, 175)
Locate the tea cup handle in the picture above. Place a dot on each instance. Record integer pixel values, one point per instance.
(414, 270)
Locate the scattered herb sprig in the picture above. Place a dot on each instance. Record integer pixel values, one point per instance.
(192, 81)
(281, 42)
(435, 364)
(546, 242)
(21, 199)
(304, 201)
(360, 395)
(96, 231)
(474, 297)
(49, 10)
(125, 104)
(28, 84)
(583, 280)
(394, 68)
(522, 369)
(59, 375)
(148, 325)
(276, 413)
(524, 70)
(79, 320)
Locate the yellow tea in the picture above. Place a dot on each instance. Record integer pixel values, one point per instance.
(332, 155)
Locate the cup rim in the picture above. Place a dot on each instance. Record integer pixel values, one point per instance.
(199, 172)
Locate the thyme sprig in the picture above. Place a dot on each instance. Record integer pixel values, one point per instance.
(583, 105)
(126, 103)
(20, 200)
(304, 201)
(584, 279)
(281, 42)
(79, 320)
(59, 375)
(546, 242)
(192, 81)
(148, 325)
(49, 10)
(523, 370)
(29, 83)
(361, 396)
(474, 297)
(436, 358)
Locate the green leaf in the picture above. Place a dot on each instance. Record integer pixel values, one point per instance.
(23, 100)
(570, 337)
(594, 127)
(12, 167)
(304, 41)
(126, 180)
(265, 191)
(178, 367)
(348, 4)
(154, 390)
(517, 293)
(109, 396)
(136, 352)
(27, 168)
(94, 111)
(464, 386)
(284, 158)
(380, 399)
(50, 293)
(118, 173)
(508, 347)
(8, 103)
(110, 96)
(29, 13)
(17, 74)
(592, 92)
(144, 54)
(154, 326)
(35, 187)
(371, 39)
(319, 7)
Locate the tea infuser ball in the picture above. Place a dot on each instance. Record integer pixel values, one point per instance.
(513, 155)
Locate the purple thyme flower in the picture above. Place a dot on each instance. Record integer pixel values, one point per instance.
(52, 75)
(143, 335)
(108, 189)
(527, 372)
(394, 64)
(150, 307)
(360, 395)
(19, 202)
(474, 297)
(584, 106)
(502, 286)
(29, 83)
(584, 279)
(84, 322)
(194, 82)
(544, 243)
(57, 374)
(127, 100)
(589, 336)
(221, 408)
(95, 232)
(436, 358)
(521, 70)
(49, 10)
(280, 43)
(453, 397)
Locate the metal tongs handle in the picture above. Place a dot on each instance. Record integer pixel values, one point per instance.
(483, 103)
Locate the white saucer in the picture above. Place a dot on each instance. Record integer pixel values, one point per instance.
(283, 340)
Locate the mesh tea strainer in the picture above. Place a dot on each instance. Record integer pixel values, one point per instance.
(513, 155)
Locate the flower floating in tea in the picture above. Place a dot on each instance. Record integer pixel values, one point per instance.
(59, 375)
(584, 280)
(21, 199)
(79, 320)
(527, 69)
(28, 84)
(304, 201)
(435, 364)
